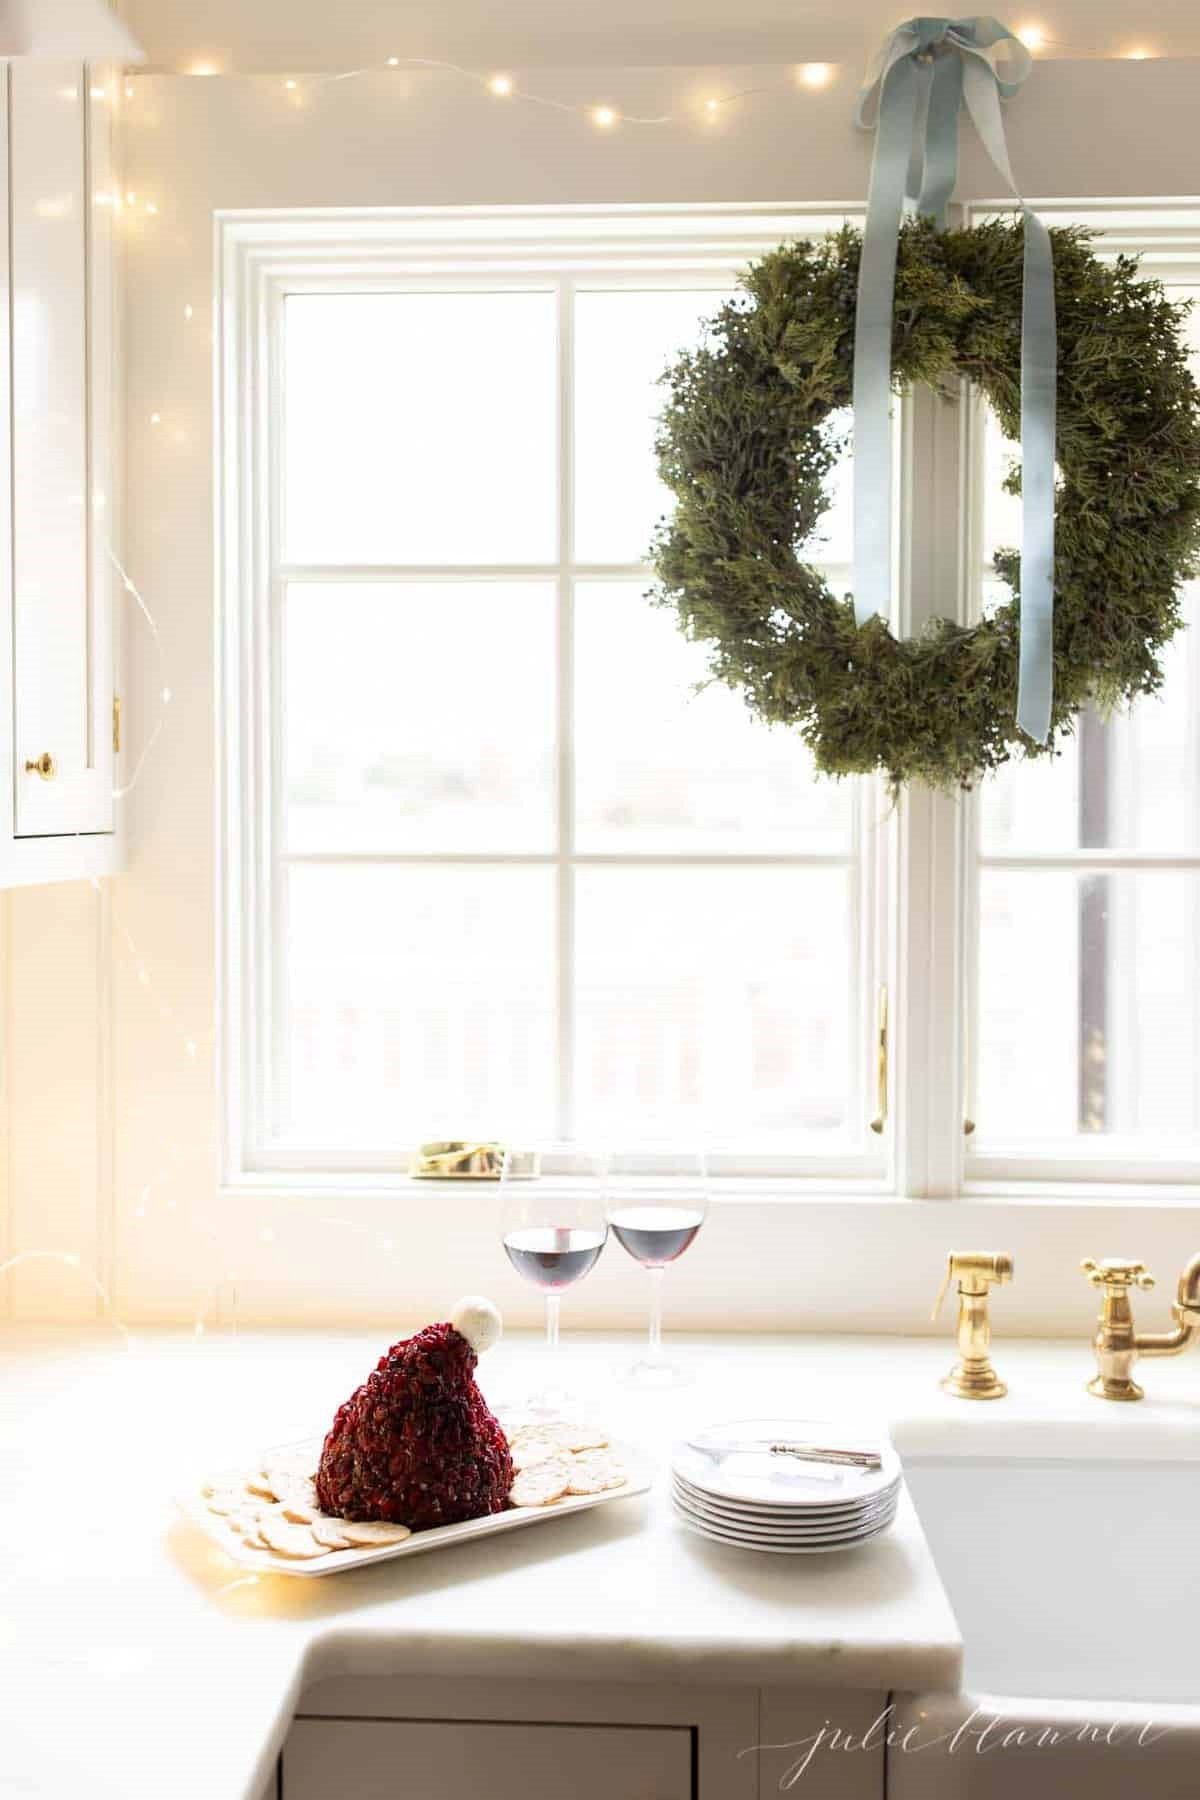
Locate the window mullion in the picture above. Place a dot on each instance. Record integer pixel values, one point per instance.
(565, 727)
(930, 979)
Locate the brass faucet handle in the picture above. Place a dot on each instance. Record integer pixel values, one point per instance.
(1116, 1273)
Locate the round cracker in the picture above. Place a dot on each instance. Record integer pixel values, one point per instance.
(534, 1444)
(286, 1539)
(329, 1532)
(594, 1472)
(299, 1502)
(575, 1437)
(246, 1530)
(226, 1500)
(259, 1483)
(372, 1533)
(283, 1472)
(541, 1482)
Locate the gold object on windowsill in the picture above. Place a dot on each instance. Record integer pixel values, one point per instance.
(471, 1159)
(973, 1377)
(1116, 1343)
(879, 1122)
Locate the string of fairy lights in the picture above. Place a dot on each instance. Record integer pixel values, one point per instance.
(602, 115)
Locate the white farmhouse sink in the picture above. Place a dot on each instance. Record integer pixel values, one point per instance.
(1067, 1578)
(1075, 1579)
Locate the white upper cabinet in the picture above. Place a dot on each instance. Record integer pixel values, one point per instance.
(56, 429)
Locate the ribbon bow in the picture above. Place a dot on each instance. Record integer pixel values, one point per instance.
(925, 72)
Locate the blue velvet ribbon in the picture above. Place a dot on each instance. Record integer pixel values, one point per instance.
(927, 71)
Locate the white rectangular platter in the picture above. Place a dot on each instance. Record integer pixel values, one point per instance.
(441, 1537)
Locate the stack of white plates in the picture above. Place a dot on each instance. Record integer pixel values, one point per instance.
(728, 1484)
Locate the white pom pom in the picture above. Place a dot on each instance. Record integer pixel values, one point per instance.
(478, 1321)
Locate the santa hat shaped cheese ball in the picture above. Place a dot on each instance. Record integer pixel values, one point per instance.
(416, 1443)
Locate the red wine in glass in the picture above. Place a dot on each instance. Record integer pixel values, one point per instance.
(657, 1201)
(553, 1257)
(655, 1235)
(553, 1229)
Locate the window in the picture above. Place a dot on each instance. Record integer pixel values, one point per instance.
(1087, 900)
(497, 860)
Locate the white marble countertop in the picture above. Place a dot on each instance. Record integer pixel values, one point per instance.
(137, 1661)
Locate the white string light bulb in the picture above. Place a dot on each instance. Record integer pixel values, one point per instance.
(500, 85)
(604, 116)
(816, 75)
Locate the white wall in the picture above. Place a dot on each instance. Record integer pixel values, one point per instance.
(105, 1115)
(296, 34)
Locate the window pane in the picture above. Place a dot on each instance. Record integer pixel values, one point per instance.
(420, 1003)
(623, 343)
(420, 716)
(420, 428)
(1001, 510)
(715, 1002)
(1089, 1006)
(1130, 784)
(660, 767)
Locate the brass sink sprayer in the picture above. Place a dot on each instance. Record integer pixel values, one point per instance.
(976, 1271)
(1117, 1344)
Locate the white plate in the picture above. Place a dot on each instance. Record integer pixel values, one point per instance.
(752, 1477)
(776, 1549)
(439, 1537)
(795, 1530)
(793, 1535)
(751, 1514)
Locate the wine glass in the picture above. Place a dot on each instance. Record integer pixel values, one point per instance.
(554, 1230)
(657, 1202)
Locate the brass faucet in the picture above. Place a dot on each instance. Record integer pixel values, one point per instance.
(1116, 1342)
(973, 1377)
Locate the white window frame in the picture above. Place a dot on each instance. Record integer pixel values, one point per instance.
(1165, 236)
(261, 260)
(918, 856)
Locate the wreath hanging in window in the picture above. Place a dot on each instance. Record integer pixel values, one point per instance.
(746, 446)
(747, 443)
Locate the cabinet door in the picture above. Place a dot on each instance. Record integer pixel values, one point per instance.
(62, 643)
(380, 1759)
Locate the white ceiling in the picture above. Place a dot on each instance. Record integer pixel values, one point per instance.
(309, 34)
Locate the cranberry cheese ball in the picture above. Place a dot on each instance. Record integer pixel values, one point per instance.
(416, 1443)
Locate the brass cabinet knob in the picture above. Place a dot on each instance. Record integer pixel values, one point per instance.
(45, 766)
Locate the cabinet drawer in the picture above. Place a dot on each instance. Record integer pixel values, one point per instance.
(384, 1759)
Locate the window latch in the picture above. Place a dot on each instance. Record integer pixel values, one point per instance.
(881, 1064)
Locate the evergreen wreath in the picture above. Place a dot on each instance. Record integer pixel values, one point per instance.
(746, 444)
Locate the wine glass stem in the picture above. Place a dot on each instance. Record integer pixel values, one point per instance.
(654, 1348)
(553, 1304)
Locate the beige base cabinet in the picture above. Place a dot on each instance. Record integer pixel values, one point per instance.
(58, 720)
(380, 1759)
(384, 1739)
